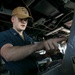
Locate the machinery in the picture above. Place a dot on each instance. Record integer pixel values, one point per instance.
(51, 19)
(67, 67)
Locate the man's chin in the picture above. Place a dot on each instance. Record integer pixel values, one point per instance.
(23, 29)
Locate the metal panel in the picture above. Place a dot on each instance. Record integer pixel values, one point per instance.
(46, 8)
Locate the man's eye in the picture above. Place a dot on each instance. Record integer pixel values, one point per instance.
(22, 19)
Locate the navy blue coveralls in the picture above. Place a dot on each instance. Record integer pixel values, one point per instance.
(25, 66)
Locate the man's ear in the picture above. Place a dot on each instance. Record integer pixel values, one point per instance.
(12, 19)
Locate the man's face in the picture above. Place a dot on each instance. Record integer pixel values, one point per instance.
(19, 24)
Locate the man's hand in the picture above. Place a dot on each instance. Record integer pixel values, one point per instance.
(52, 44)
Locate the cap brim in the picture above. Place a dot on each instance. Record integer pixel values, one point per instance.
(25, 16)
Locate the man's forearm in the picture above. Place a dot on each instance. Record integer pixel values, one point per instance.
(19, 52)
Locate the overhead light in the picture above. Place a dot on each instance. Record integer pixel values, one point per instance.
(59, 16)
(56, 30)
(59, 29)
(65, 30)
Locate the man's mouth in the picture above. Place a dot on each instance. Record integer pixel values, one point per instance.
(23, 25)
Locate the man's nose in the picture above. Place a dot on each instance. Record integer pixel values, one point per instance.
(23, 21)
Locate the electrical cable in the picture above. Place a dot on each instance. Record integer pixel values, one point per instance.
(38, 29)
(27, 8)
(27, 26)
(62, 19)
